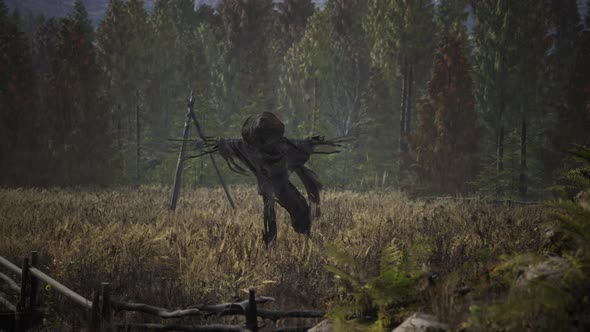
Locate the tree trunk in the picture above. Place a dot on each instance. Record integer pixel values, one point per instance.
(119, 133)
(402, 127)
(410, 85)
(523, 187)
(137, 144)
(201, 170)
(315, 106)
(179, 165)
(500, 150)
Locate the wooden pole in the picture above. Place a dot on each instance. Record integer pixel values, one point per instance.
(34, 281)
(94, 321)
(137, 144)
(20, 319)
(22, 301)
(105, 291)
(178, 175)
(202, 136)
(251, 320)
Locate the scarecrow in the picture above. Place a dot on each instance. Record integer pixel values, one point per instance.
(271, 157)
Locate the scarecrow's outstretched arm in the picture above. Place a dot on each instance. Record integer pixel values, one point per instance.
(313, 145)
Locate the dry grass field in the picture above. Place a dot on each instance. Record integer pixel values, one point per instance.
(208, 253)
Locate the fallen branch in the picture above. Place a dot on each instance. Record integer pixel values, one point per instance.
(293, 329)
(238, 307)
(178, 327)
(156, 311)
(275, 315)
(235, 308)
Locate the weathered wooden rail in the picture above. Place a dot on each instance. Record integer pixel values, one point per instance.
(478, 200)
(28, 312)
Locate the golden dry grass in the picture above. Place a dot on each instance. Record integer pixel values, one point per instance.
(207, 253)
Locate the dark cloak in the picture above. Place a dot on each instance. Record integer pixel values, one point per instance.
(271, 157)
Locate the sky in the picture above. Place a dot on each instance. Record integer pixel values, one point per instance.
(96, 8)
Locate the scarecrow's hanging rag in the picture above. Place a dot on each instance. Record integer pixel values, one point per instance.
(271, 157)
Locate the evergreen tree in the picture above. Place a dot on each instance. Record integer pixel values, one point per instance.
(530, 72)
(564, 31)
(305, 78)
(511, 48)
(574, 120)
(402, 39)
(245, 51)
(113, 37)
(351, 64)
(374, 157)
(45, 53)
(447, 135)
(291, 21)
(80, 140)
(451, 16)
(323, 77)
(18, 118)
(491, 68)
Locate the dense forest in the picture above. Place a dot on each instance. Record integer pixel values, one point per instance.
(434, 106)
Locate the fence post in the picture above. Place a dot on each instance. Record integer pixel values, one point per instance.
(105, 292)
(251, 320)
(20, 314)
(34, 281)
(95, 312)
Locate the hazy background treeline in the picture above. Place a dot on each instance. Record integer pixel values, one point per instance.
(436, 106)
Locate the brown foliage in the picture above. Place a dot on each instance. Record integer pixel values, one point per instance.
(446, 142)
(207, 253)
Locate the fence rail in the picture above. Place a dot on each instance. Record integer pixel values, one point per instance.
(28, 312)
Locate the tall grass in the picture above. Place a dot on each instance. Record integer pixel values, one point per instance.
(206, 252)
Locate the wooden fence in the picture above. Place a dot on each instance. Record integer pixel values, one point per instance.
(28, 312)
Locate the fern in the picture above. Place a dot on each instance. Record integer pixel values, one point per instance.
(575, 179)
(381, 297)
(546, 303)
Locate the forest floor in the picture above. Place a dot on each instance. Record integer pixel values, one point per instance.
(206, 252)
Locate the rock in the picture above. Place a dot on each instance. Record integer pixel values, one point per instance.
(420, 322)
(323, 326)
(553, 270)
(582, 196)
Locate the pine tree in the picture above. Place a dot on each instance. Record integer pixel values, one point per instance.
(113, 38)
(447, 136)
(352, 64)
(451, 16)
(374, 160)
(564, 34)
(574, 121)
(246, 24)
(291, 22)
(530, 72)
(45, 53)
(402, 39)
(511, 48)
(80, 140)
(18, 118)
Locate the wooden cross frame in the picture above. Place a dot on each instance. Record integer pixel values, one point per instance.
(191, 117)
